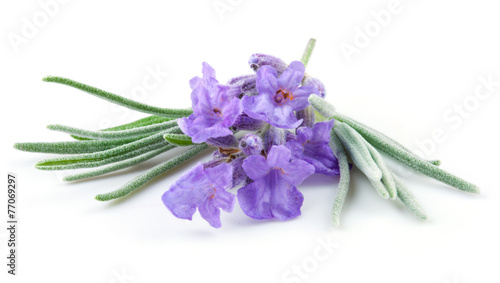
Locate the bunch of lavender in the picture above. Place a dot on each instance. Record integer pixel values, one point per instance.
(270, 130)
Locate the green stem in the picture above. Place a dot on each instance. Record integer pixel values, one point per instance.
(308, 52)
(147, 176)
(134, 105)
(119, 165)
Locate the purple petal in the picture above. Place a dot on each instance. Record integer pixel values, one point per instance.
(270, 197)
(291, 77)
(267, 81)
(321, 131)
(297, 171)
(181, 198)
(255, 200)
(278, 156)
(300, 97)
(195, 82)
(316, 83)
(257, 107)
(220, 176)
(210, 213)
(213, 132)
(230, 111)
(255, 166)
(207, 70)
(283, 117)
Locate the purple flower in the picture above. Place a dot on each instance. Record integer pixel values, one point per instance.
(215, 108)
(312, 146)
(279, 96)
(273, 194)
(202, 188)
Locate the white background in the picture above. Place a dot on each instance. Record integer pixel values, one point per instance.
(426, 60)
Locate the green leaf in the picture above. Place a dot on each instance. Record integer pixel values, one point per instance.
(121, 134)
(150, 120)
(178, 139)
(409, 159)
(72, 147)
(308, 52)
(344, 181)
(67, 162)
(134, 105)
(119, 165)
(409, 200)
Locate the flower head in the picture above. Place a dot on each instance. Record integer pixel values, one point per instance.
(202, 188)
(312, 146)
(215, 108)
(273, 194)
(279, 96)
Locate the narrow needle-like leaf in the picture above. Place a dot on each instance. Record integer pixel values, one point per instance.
(362, 129)
(344, 181)
(387, 179)
(360, 155)
(119, 165)
(147, 176)
(97, 156)
(409, 159)
(308, 52)
(92, 163)
(150, 120)
(322, 106)
(327, 110)
(134, 105)
(72, 147)
(409, 200)
(178, 139)
(109, 135)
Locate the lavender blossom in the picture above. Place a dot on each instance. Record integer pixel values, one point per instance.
(279, 96)
(203, 189)
(215, 108)
(273, 194)
(312, 146)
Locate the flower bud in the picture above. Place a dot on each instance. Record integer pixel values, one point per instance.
(251, 144)
(258, 60)
(308, 80)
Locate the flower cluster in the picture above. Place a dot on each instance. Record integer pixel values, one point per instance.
(267, 144)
